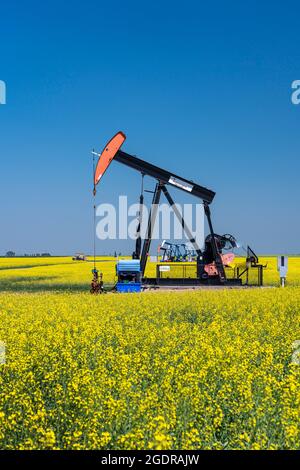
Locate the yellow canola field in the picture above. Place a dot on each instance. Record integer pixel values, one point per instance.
(162, 370)
(54, 273)
(62, 274)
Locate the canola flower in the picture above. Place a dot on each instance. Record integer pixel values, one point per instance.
(161, 370)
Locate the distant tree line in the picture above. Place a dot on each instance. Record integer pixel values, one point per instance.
(11, 254)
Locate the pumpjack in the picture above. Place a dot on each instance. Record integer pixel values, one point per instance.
(177, 252)
(210, 261)
(172, 251)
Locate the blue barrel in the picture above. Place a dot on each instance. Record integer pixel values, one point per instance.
(129, 287)
(129, 265)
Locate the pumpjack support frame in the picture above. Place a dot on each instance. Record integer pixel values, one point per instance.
(164, 177)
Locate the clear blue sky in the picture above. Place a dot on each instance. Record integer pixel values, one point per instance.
(201, 88)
